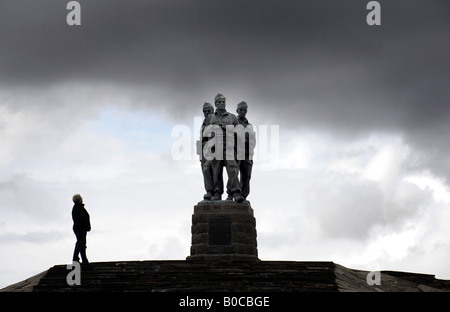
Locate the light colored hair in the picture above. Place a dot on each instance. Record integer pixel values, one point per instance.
(77, 199)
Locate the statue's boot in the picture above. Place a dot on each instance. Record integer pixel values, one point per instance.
(207, 196)
(217, 196)
(238, 198)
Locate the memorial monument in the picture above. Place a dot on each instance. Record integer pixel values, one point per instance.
(225, 229)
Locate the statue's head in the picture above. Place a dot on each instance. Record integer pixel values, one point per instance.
(219, 101)
(242, 109)
(208, 109)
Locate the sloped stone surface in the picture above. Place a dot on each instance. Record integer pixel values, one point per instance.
(162, 276)
(226, 276)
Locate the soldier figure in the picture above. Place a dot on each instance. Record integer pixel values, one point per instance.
(245, 163)
(208, 109)
(221, 119)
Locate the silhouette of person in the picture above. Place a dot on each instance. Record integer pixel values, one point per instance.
(81, 225)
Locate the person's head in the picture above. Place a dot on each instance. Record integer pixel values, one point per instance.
(77, 199)
(242, 109)
(207, 109)
(219, 101)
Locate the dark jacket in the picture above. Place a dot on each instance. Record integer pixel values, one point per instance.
(81, 220)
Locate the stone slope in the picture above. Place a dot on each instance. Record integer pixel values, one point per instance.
(225, 276)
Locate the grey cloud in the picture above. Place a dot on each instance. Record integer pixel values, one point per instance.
(32, 237)
(335, 205)
(24, 197)
(186, 44)
(353, 209)
(308, 64)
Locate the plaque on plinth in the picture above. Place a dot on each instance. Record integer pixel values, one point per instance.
(224, 231)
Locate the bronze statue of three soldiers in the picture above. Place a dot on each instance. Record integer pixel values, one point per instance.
(226, 141)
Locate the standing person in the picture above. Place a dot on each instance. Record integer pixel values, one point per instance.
(81, 225)
(246, 164)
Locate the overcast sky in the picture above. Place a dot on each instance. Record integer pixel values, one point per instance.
(360, 176)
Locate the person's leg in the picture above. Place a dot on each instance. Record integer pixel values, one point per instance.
(75, 253)
(80, 246)
(77, 248)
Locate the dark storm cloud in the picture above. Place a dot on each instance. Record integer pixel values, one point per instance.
(314, 51)
(303, 63)
(179, 42)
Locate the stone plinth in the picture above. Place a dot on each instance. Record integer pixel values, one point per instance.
(223, 230)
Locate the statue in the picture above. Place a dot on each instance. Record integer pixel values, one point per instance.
(208, 109)
(245, 163)
(220, 129)
(225, 230)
